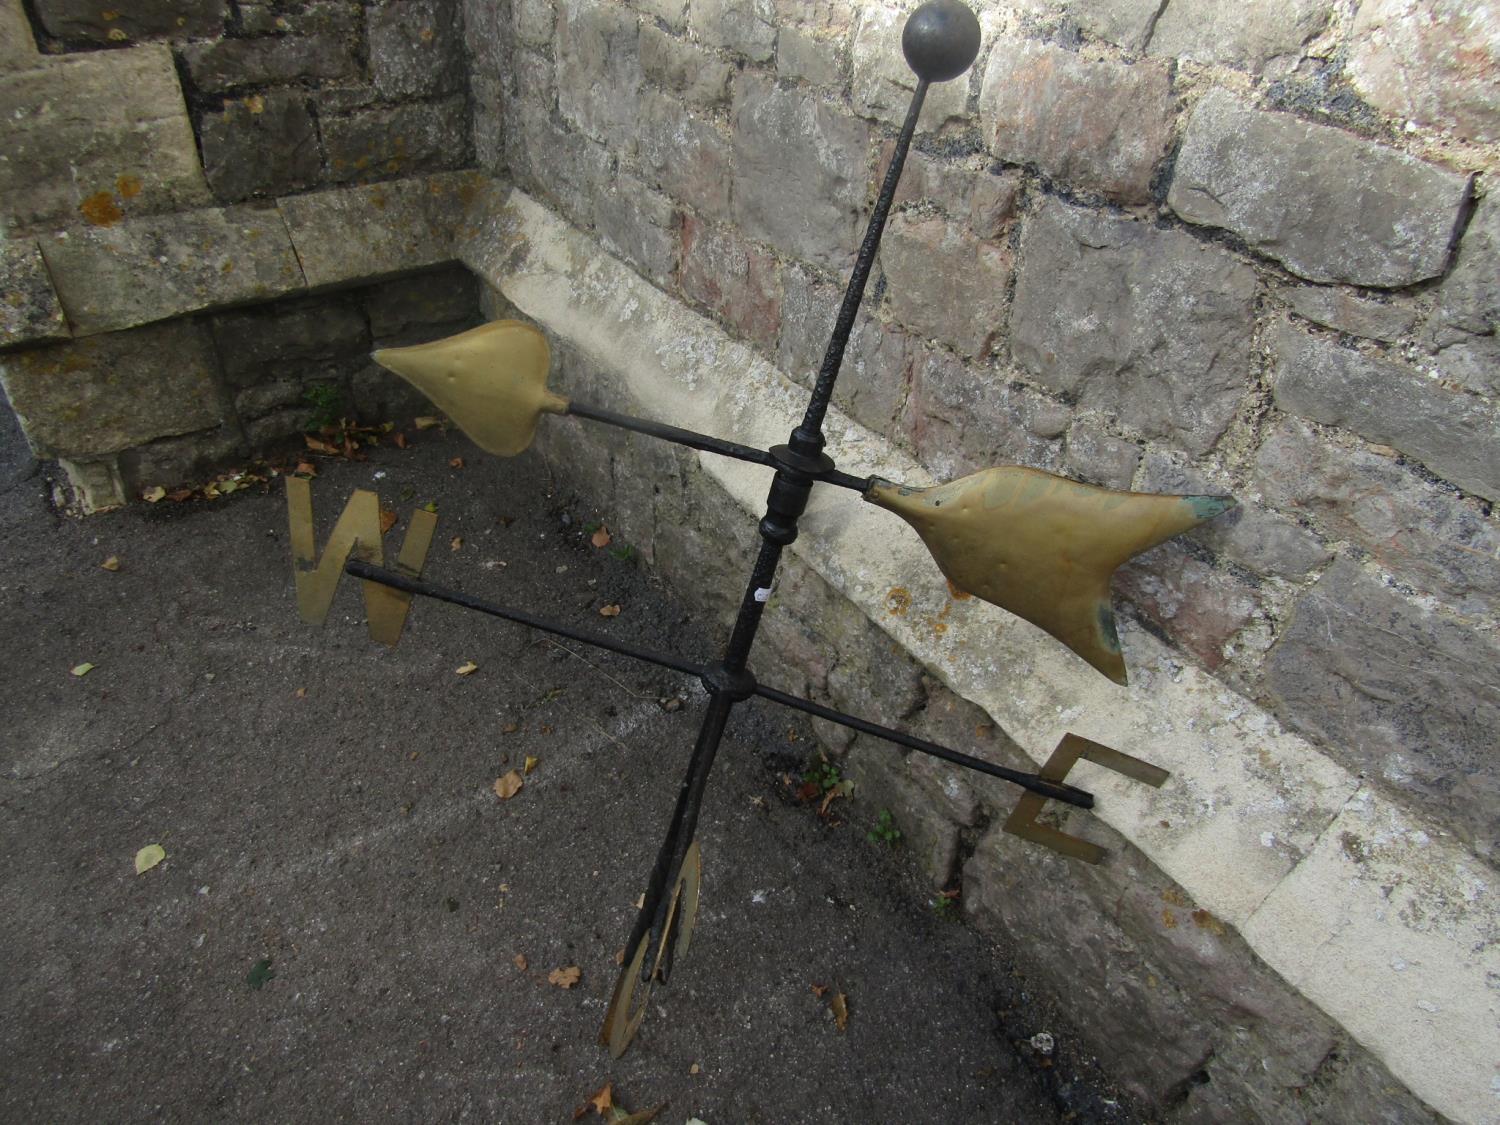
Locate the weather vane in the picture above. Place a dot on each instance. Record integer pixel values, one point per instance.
(1038, 545)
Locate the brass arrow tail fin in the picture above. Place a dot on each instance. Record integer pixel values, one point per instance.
(491, 380)
(1044, 547)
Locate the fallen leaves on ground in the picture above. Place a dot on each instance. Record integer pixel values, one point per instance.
(565, 977)
(111, 563)
(612, 610)
(456, 463)
(840, 1006)
(82, 669)
(467, 668)
(152, 495)
(456, 543)
(603, 1104)
(148, 857)
(306, 469)
(510, 728)
(427, 422)
(259, 973)
(819, 989)
(601, 537)
(398, 439)
(388, 519)
(300, 693)
(508, 785)
(531, 763)
(604, 1099)
(520, 960)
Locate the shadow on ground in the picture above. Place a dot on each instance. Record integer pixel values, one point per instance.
(325, 804)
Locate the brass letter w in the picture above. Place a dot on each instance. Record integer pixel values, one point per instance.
(357, 531)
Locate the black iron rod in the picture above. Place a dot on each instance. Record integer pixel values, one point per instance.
(677, 434)
(1034, 783)
(397, 581)
(706, 442)
(807, 438)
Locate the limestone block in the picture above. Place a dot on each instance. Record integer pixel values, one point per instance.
(944, 283)
(226, 65)
(84, 21)
(1472, 363)
(1149, 326)
(883, 82)
(191, 459)
(599, 72)
(1192, 604)
(1388, 925)
(734, 279)
(29, 309)
(17, 45)
(1468, 300)
(397, 140)
(803, 57)
(1258, 540)
(99, 135)
(488, 128)
(1435, 62)
(1425, 535)
(686, 156)
(1249, 34)
(561, 165)
(1125, 23)
(416, 49)
(640, 225)
(1094, 124)
(364, 233)
(534, 21)
(1455, 434)
(95, 485)
(1349, 312)
(1095, 455)
(1282, 185)
(265, 144)
(700, 77)
(317, 334)
(162, 266)
(97, 396)
(1400, 695)
(411, 306)
(380, 396)
(799, 172)
(746, 28)
(961, 418)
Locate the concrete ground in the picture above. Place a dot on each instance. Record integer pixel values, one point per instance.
(325, 805)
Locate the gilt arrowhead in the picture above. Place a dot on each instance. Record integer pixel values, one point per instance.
(491, 380)
(1043, 546)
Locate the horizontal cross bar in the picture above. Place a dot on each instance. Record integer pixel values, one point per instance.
(707, 443)
(1033, 783)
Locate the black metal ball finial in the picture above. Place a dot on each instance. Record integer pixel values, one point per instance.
(941, 40)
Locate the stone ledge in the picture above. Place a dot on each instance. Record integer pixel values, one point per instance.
(158, 267)
(1254, 818)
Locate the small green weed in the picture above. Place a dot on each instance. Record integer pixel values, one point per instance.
(823, 774)
(624, 552)
(327, 403)
(945, 905)
(885, 830)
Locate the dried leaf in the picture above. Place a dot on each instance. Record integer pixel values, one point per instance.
(640, 1118)
(601, 537)
(695, 1069)
(148, 857)
(840, 1006)
(565, 977)
(510, 728)
(300, 693)
(152, 495)
(306, 469)
(178, 495)
(82, 669)
(398, 439)
(620, 956)
(531, 763)
(111, 563)
(508, 786)
(468, 668)
(520, 960)
(604, 1099)
(610, 611)
(456, 543)
(456, 463)
(318, 445)
(426, 422)
(388, 519)
(819, 989)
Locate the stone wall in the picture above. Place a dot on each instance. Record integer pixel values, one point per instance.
(168, 161)
(1184, 246)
